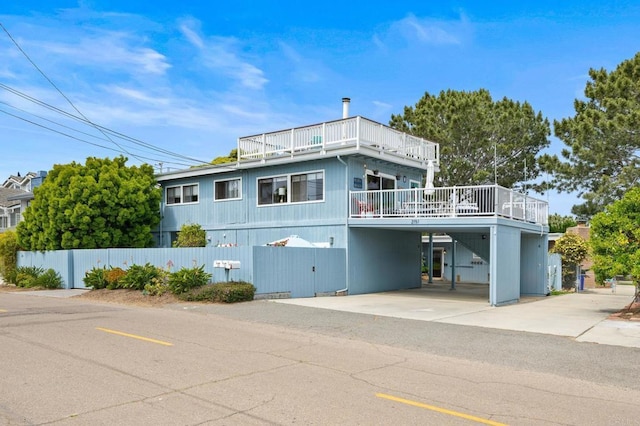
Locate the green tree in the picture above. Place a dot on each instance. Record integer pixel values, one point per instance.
(470, 128)
(100, 204)
(231, 158)
(602, 158)
(615, 239)
(573, 249)
(558, 223)
(191, 235)
(8, 256)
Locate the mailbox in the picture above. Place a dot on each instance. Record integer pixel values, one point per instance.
(232, 264)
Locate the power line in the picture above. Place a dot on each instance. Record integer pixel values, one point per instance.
(105, 131)
(78, 131)
(78, 139)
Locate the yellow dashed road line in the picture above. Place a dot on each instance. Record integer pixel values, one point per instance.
(133, 336)
(439, 409)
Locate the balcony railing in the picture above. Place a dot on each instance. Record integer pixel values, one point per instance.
(347, 133)
(461, 201)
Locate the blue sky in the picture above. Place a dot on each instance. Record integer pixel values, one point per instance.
(190, 77)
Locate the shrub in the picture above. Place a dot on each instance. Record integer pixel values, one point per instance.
(95, 278)
(138, 276)
(191, 236)
(113, 277)
(221, 292)
(33, 276)
(8, 256)
(49, 279)
(26, 276)
(159, 285)
(187, 278)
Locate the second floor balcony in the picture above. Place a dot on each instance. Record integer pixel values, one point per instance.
(451, 202)
(346, 135)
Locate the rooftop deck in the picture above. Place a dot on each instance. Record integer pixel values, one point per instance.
(461, 201)
(340, 135)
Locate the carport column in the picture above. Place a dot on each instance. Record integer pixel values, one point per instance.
(493, 265)
(430, 257)
(453, 264)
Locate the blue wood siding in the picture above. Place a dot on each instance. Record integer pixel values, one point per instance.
(299, 272)
(505, 247)
(383, 260)
(533, 264)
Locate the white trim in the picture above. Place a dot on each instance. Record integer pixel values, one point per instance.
(288, 176)
(182, 202)
(240, 192)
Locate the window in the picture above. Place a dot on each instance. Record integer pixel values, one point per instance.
(184, 194)
(228, 189)
(190, 193)
(307, 187)
(298, 188)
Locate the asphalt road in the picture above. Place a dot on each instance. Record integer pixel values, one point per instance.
(69, 361)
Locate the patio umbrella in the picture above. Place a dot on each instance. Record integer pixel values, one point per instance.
(428, 184)
(291, 241)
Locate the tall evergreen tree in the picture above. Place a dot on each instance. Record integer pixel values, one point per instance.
(602, 158)
(478, 137)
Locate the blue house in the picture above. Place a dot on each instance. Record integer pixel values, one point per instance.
(354, 187)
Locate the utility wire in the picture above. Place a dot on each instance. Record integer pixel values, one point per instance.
(113, 132)
(60, 91)
(79, 139)
(101, 129)
(77, 131)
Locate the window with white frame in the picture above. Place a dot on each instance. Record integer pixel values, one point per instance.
(293, 188)
(230, 189)
(182, 194)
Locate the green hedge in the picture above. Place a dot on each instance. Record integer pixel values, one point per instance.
(231, 292)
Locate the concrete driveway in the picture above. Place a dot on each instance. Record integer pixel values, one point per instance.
(582, 316)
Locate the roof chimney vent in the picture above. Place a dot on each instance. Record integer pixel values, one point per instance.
(345, 107)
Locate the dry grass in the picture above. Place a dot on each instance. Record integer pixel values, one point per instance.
(128, 297)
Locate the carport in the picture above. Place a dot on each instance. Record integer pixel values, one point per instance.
(515, 251)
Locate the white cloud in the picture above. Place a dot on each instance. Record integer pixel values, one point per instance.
(302, 68)
(427, 31)
(112, 50)
(415, 30)
(219, 53)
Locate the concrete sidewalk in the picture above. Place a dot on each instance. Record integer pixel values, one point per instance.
(582, 316)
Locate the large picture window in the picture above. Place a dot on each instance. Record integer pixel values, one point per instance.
(228, 189)
(294, 188)
(183, 194)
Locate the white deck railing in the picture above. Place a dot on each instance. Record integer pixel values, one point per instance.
(340, 134)
(461, 201)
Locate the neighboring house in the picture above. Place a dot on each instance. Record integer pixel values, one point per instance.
(583, 230)
(15, 194)
(357, 186)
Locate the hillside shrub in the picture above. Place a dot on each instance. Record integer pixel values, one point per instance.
(185, 279)
(138, 276)
(230, 292)
(95, 278)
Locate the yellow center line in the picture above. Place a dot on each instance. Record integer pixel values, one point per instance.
(3, 310)
(133, 336)
(439, 410)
